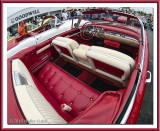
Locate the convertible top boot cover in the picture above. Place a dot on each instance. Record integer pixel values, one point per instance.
(103, 110)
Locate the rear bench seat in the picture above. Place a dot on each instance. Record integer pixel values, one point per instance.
(64, 88)
(40, 98)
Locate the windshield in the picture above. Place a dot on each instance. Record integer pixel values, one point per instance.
(32, 27)
(59, 21)
(106, 17)
(52, 23)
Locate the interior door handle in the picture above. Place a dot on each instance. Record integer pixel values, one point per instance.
(43, 57)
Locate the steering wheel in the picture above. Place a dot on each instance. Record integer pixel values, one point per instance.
(84, 30)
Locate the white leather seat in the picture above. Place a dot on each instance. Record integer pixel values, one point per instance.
(65, 47)
(80, 54)
(35, 107)
(119, 65)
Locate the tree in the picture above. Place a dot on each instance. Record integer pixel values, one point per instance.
(126, 9)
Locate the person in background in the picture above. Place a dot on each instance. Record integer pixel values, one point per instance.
(58, 16)
(87, 15)
(78, 12)
(84, 16)
(72, 13)
(64, 15)
(22, 29)
(8, 34)
(128, 21)
(75, 12)
(40, 19)
(27, 23)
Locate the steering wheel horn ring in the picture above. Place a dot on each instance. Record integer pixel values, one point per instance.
(84, 27)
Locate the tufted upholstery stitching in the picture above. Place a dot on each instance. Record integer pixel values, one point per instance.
(89, 103)
(66, 83)
(74, 93)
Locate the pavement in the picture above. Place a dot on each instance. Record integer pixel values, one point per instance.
(146, 113)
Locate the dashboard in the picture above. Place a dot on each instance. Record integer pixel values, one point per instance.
(100, 30)
(93, 29)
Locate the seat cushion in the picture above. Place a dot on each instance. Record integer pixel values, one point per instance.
(64, 88)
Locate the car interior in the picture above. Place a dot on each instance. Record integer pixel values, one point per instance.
(87, 75)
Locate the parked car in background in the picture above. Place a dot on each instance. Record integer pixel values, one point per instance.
(122, 19)
(151, 25)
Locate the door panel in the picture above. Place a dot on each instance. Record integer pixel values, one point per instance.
(41, 55)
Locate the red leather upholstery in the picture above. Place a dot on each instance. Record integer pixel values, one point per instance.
(112, 43)
(64, 88)
(64, 50)
(103, 110)
(107, 68)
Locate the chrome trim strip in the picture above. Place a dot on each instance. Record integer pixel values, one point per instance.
(128, 111)
(19, 79)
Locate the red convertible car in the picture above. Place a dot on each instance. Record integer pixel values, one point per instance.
(94, 73)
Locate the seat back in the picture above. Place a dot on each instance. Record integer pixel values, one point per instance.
(80, 54)
(65, 47)
(110, 63)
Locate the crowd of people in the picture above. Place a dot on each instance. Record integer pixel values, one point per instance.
(71, 14)
(65, 15)
(23, 27)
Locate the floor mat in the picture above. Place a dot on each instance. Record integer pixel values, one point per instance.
(60, 62)
(86, 77)
(102, 86)
(71, 70)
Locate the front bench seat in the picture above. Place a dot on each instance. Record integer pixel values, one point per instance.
(65, 47)
(111, 63)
